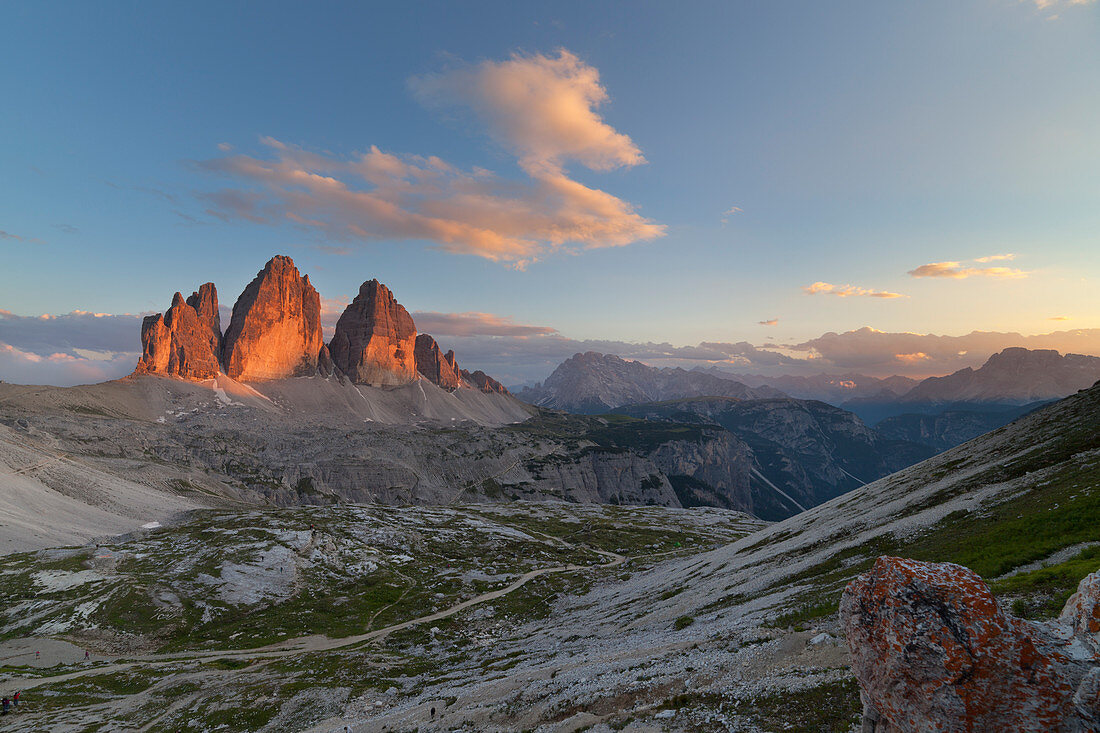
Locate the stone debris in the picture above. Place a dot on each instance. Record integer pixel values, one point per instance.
(933, 650)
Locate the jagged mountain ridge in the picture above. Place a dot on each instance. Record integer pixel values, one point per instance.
(592, 383)
(275, 333)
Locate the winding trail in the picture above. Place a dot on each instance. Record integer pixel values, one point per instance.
(314, 643)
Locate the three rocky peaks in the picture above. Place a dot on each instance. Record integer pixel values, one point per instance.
(275, 333)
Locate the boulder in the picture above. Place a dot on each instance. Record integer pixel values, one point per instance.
(933, 651)
(375, 339)
(434, 366)
(179, 343)
(275, 330)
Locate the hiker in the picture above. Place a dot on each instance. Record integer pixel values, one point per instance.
(36, 656)
(15, 699)
(86, 655)
(6, 706)
(433, 713)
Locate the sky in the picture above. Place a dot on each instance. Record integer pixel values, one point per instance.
(781, 187)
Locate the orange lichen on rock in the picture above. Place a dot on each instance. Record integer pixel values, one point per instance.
(933, 650)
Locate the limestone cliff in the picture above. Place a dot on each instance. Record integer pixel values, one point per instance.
(434, 366)
(275, 331)
(180, 342)
(375, 339)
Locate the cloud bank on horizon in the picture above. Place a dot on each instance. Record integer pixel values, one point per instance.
(542, 109)
(82, 347)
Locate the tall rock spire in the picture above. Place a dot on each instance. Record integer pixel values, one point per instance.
(375, 339)
(180, 342)
(434, 365)
(275, 331)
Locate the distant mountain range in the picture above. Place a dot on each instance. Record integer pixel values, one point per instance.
(940, 412)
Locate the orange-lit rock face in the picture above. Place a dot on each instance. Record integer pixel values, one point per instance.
(205, 303)
(434, 365)
(179, 342)
(481, 380)
(375, 339)
(275, 331)
(932, 650)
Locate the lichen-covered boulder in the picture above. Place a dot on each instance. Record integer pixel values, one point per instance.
(933, 651)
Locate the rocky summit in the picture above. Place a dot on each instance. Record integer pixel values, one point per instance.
(180, 341)
(434, 366)
(275, 331)
(933, 650)
(275, 334)
(375, 340)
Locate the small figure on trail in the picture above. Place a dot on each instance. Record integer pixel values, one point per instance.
(86, 655)
(15, 699)
(433, 713)
(6, 706)
(36, 655)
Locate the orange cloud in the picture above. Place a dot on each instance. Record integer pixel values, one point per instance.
(912, 358)
(542, 108)
(995, 258)
(847, 291)
(957, 271)
(770, 322)
(1059, 318)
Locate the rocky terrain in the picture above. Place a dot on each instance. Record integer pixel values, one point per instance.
(551, 616)
(593, 383)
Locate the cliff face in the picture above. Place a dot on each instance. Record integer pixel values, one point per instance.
(375, 339)
(180, 342)
(434, 366)
(205, 303)
(275, 331)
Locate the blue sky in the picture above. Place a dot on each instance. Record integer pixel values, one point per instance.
(855, 143)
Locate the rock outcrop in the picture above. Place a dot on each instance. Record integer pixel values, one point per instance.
(481, 380)
(434, 366)
(180, 342)
(932, 650)
(275, 331)
(205, 303)
(375, 339)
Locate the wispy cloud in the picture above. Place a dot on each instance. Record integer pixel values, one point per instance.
(847, 291)
(475, 324)
(958, 271)
(540, 108)
(730, 212)
(1060, 318)
(995, 258)
(18, 238)
(770, 322)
